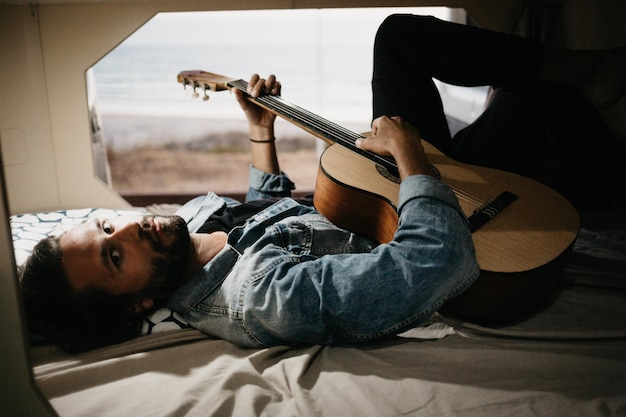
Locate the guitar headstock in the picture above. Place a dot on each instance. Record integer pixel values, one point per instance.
(204, 80)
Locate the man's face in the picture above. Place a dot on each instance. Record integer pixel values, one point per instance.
(126, 255)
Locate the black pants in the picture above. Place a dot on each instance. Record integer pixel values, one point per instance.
(547, 132)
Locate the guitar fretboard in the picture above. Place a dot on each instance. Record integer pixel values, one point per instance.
(316, 125)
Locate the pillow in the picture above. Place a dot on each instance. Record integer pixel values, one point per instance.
(28, 229)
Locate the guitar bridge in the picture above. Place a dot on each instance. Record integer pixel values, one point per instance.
(483, 214)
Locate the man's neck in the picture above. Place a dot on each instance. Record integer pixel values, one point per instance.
(202, 248)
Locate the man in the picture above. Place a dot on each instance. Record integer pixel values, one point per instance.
(265, 273)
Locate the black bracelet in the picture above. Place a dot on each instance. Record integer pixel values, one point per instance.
(263, 141)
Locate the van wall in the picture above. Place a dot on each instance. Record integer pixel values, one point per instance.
(46, 49)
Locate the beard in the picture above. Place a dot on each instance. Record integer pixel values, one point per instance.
(170, 263)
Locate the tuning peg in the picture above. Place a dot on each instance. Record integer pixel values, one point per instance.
(195, 93)
(206, 96)
(187, 91)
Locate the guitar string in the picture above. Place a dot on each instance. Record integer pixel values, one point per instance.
(337, 133)
(313, 122)
(334, 132)
(326, 128)
(346, 138)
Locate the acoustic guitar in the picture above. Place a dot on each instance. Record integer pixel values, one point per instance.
(522, 230)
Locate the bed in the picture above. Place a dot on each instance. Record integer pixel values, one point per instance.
(567, 360)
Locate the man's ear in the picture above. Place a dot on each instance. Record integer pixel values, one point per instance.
(141, 305)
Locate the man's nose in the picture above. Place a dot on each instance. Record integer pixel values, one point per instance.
(128, 231)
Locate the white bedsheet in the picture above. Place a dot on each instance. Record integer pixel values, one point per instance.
(455, 376)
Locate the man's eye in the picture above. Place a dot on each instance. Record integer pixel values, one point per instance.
(116, 257)
(106, 227)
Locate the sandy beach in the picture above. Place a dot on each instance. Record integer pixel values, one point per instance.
(190, 155)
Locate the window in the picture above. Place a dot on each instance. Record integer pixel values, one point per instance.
(159, 140)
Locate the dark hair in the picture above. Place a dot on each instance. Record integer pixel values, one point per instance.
(55, 313)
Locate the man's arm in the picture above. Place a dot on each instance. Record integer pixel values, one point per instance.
(261, 123)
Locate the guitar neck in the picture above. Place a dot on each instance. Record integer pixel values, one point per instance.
(316, 125)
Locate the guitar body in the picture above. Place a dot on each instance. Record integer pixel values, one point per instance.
(520, 250)
(522, 230)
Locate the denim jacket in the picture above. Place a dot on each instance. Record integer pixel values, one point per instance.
(289, 276)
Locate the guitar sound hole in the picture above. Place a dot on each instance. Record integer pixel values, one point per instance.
(386, 174)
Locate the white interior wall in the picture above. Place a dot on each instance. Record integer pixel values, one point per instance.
(27, 147)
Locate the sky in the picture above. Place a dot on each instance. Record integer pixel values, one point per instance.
(286, 26)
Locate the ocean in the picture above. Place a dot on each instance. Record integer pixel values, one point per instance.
(141, 79)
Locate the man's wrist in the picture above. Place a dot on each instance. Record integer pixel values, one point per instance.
(258, 133)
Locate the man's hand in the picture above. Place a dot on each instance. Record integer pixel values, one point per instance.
(260, 121)
(392, 136)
